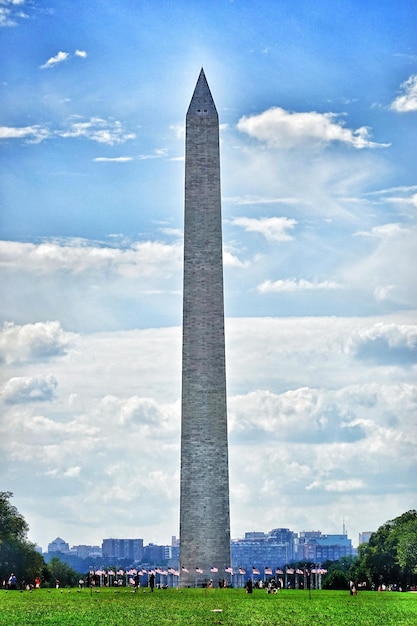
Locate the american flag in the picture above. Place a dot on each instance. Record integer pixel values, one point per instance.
(255, 571)
(214, 570)
(290, 570)
(229, 570)
(242, 571)
(268, 570)
(198, 570)
(299, 571)
(279, 571)
(184, 569)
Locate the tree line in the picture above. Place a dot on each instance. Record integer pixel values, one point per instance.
(389, 559)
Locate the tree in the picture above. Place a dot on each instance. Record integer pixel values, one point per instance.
(17, 554)
(60, 571)
(391, 554)
(12, 523)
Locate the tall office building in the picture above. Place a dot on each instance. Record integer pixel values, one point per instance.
(204, 504)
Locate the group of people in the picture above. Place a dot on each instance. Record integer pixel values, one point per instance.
(270, 587)
(12, 583)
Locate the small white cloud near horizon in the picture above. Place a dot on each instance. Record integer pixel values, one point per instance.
(286, 129)
(121, 159)
(291, 284)
(408, 100)
(58, 58)
(272, 228)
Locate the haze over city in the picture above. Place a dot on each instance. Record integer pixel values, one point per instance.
(317, 105)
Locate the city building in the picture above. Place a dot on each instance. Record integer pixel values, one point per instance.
(58, 545)
(85, 552)
(314, 547)
(365, 536)
(117, 549)
(274, 549)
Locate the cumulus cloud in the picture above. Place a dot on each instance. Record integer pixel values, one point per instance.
(272, 228)
(81, 53)
(292, 284)
(60, 57)
(78, 256)
(303, 415)
(407, 101)
(286, 129)
(33, 134)
(385, 230)
(11, 11)
(97, 129)
(31, 342)
(394, 344)
(29, 389)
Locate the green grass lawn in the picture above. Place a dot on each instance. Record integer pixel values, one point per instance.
(200, 607)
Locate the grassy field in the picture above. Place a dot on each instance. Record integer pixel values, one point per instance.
(200, 607)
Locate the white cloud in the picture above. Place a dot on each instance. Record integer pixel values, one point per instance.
(96, 129)
(285, 129)
(385, 230)
(58, 58)
(272, 228)
(337, 485)
(31, 342)
(251, 199)
(99, 130)
(408, 100)
(292, 284)
(121, 159)
(29, 389)
(81, 53)
(385, 343)
(34, 134)
(11, 11)
(78, 256)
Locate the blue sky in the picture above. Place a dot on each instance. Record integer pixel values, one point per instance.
(318, 107)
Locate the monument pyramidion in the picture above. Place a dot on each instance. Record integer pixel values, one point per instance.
(204, 500)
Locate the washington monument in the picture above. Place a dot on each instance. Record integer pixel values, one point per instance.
(204, 502)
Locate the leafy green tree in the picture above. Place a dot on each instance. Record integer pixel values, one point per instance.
(390, 557)
(17, 554)
(60, 571)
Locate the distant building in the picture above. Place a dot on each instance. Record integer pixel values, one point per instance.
(364, 537)
(155, 555)
(117, 549)
(85, 552)
(58, 545)
(274, 549)
(316, 548)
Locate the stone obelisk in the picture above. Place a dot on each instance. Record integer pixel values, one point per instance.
(204, 502)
